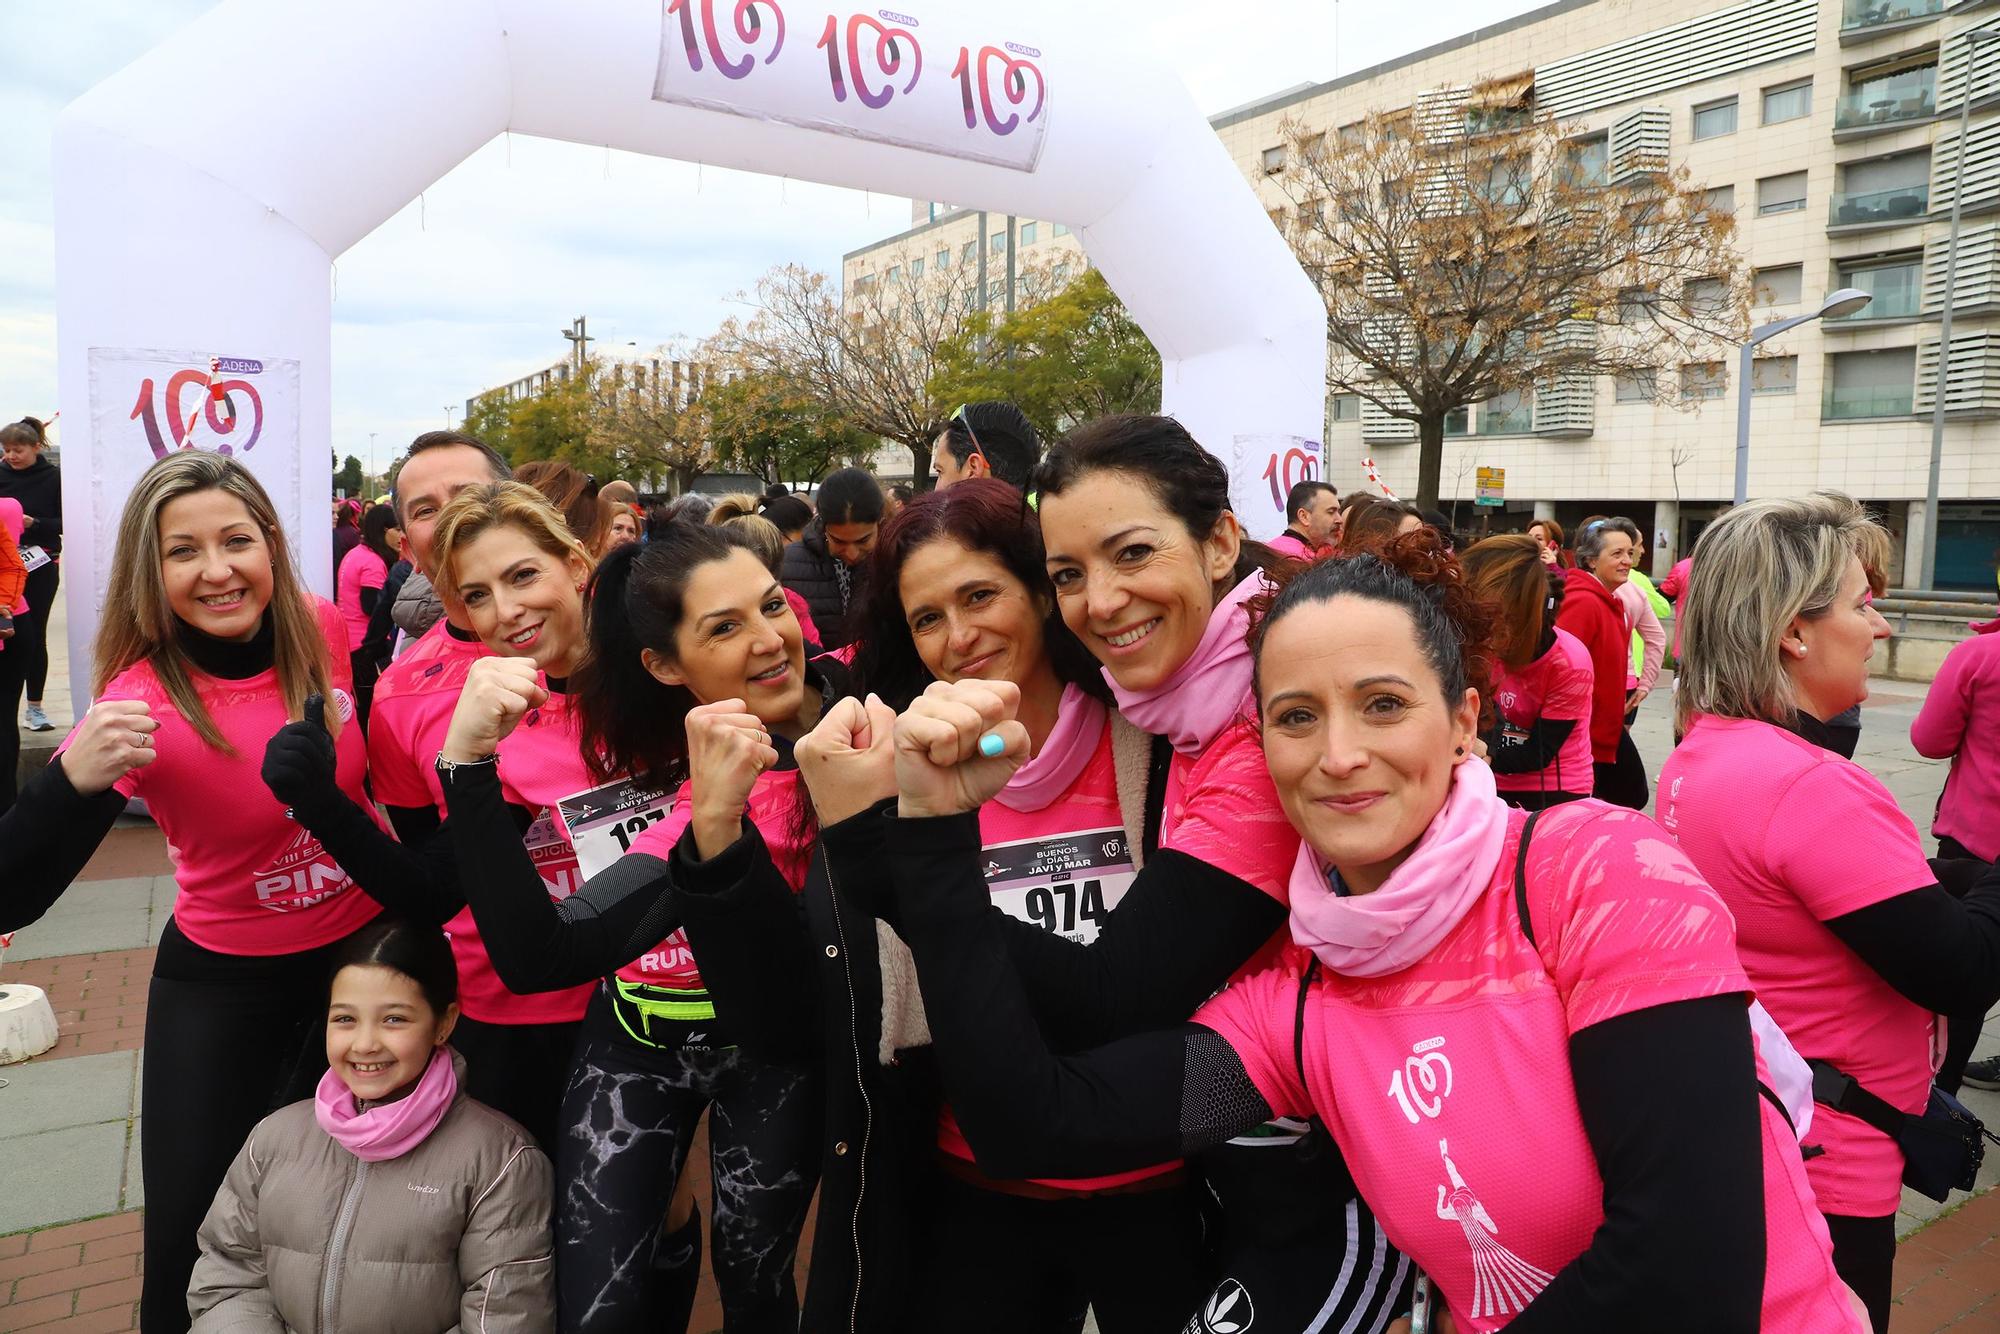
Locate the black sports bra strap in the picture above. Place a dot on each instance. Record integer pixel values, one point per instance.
(1521, 879)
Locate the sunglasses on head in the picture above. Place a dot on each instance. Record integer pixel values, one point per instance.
(958, 417)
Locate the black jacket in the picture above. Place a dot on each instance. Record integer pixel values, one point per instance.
(826, 584)
(39, 489)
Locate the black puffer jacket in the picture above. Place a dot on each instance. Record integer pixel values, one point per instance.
(39, 489)
(826, 584)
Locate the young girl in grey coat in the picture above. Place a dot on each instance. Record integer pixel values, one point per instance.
(389, 1200)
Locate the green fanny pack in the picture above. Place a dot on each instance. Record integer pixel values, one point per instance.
(661, 1016)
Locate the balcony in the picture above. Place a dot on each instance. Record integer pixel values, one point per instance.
(1853, 404)
(1898, 302)
(1880, 208)
(1864, 19)
(1871, 109)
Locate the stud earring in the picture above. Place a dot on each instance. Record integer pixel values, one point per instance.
(1459, 751)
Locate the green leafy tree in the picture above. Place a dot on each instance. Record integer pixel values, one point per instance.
(771, 426)
(1064, 360)
(349, 478)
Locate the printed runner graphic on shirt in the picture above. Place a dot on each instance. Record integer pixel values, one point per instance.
(1065, 883)
(1503, 1283)
(302, 876)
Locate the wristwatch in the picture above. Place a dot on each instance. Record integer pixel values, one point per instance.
(447, 768)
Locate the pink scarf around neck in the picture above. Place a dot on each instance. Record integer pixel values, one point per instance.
(1373, 935)
(1071, 742)
(389, 1129)
(1211, 689)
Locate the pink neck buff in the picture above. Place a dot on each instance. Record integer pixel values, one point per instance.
(1071, 742)
(1211, 689)
(390, 1129)
(1373, 935)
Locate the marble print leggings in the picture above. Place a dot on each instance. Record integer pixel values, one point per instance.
(629, 1117)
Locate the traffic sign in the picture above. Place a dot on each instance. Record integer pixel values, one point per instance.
(1492, 486)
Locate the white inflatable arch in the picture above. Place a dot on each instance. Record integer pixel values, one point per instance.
(203, 192)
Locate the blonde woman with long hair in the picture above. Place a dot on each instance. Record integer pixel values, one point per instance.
(208, 644)
(1843, 930)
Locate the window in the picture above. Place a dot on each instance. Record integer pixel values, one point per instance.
(1704, 379)
(1781, 194)
(1715, 118)
(1881, 98)
(969, 253)
(1352, 133)
(1028, 233)
(1774, 375)
(1895, 284)
(1870, 384)
(916, 268)
(1506, 414)
(1779, 286)
(1507, 183)
(895, 274)
(1347, 407)
(1637, 305)
(1884, 190)
(998, 244)
(996, 293)
(944, 259)
(1636, 386)
(1791, 101)
(1274, 160)
(1706, 296)
(1458, 421)
(1721, 199)
(1060, 229)
(1589, 160)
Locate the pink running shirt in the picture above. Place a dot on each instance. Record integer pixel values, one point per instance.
(252, 882)
(1062, 868)
(1448, 1084)
(773, 809)
(1960, 721)
(539, 765)
(1554, 686)
(360, 568)
(1792, 836)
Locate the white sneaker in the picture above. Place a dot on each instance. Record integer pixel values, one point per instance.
(37, 721)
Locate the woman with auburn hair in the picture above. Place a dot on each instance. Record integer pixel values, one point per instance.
(1548, 535)
(1480, 1007)
(1539, 740)
(208, 644)
(572, 492)
(1843, 927)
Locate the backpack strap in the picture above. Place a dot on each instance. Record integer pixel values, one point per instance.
(1156, 793)
(1306, 980)
(1521, 879)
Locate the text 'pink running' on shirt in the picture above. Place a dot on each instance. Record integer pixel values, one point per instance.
(252, 881)
(1448, 1084)
(1792, 836)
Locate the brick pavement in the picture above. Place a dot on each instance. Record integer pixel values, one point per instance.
(99, 999)
(1948, 1274)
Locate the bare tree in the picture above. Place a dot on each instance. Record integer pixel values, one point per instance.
(869, 354)
(1472, 247)
(644, 417)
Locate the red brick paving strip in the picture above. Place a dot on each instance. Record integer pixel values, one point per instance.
(99, 999)
(126, 854)
(1948, 1275)
(80, 1278)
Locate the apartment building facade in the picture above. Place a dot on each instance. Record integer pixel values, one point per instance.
(1831, 127)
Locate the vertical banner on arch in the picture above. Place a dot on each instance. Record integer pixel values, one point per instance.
(1262, 469)
(953, 80)
(146, 403)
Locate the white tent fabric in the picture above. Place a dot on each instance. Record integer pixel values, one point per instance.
(197, 217)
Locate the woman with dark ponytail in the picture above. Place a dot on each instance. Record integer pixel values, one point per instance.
(695, 683)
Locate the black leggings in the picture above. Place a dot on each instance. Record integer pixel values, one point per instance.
(13, 665)
(31, 632)
(229, 1039)
(519, 1070)
(630, 1114)
(1623, 782)
(1007, 1264)
(1961, 1030)
(1864, 1255)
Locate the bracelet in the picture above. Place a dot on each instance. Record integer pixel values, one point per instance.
(448, 768)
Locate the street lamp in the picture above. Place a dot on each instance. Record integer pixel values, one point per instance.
(1844, 302)
(449, 408)
(1927, 567)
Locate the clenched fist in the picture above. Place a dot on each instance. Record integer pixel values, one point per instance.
(728, 748)
(116, 737)
(941, 766)
(498, 693)
(849, 760)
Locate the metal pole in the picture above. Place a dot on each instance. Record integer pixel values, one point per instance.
(982, 259)
(1927, 567)
(1743, 422)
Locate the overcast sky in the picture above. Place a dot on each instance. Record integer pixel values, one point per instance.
(470, 290)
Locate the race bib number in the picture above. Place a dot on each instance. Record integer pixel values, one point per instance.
(34, 558)
(1065, 883)
(603, 821)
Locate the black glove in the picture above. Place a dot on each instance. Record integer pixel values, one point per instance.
(300, 764)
